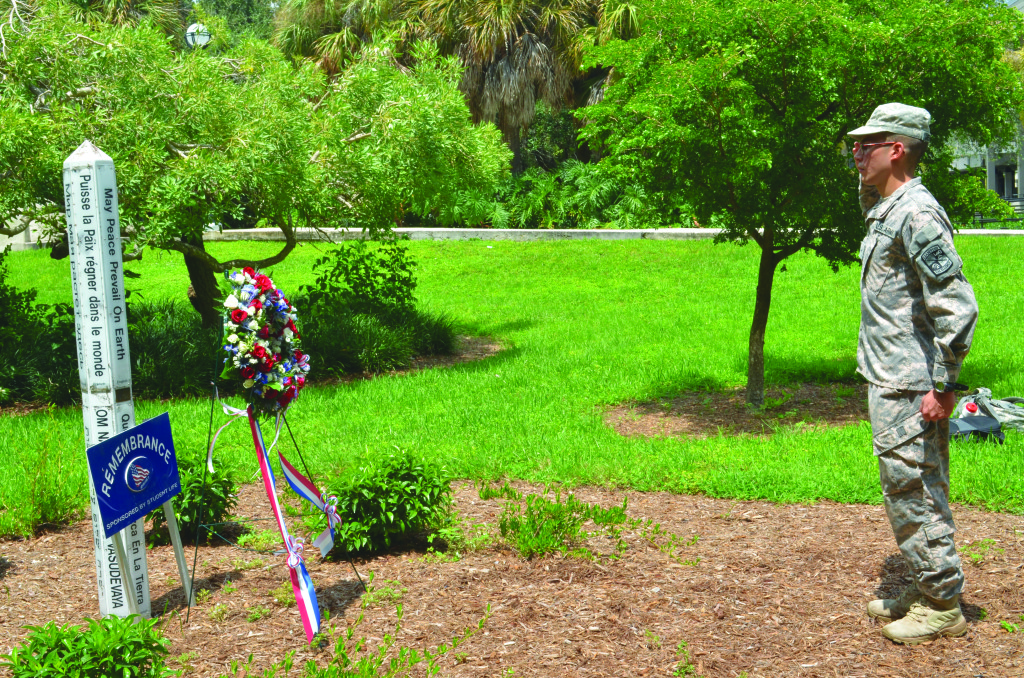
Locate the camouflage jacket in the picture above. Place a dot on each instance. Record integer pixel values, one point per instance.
(918, 312)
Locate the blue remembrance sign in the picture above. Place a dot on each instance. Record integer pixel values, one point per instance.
(134, 472)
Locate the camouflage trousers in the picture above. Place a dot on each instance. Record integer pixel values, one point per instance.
(913, 462)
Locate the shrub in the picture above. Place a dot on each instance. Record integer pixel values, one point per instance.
(360, 314)
(213, 504)
(395, 496)
(376, 281)
(172, 354)
(131, 647)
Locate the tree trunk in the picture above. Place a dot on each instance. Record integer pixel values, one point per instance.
(202, 290)
(514, 138)
(762, 304)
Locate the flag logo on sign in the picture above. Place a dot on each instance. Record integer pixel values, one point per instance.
(137, 475)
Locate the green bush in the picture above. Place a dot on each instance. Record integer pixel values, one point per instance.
(360, 314)
(131, 647)
(375, 281)
(172, 354)
(213, 504)
(395, 496)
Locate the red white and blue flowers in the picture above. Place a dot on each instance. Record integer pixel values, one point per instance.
(262, 342)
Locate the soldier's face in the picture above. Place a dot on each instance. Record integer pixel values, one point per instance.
(874, 157)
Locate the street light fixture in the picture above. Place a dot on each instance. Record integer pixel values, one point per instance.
(197, 35)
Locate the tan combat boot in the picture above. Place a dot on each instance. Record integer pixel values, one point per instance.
(927, 620)
(888, 609)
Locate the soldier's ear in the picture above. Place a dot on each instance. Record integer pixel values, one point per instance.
(898, 151)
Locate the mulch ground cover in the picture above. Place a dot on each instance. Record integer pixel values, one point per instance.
(770, 590)
(700, 414)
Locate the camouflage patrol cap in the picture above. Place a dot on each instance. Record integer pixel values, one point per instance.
(896, 118)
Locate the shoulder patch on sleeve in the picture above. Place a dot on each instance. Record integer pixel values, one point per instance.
(937, 260)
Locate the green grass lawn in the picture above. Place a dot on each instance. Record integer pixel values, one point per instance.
(586, 324)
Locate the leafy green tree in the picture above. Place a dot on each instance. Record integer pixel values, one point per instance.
(740, 108)
(244, 17)
(515, 53)
(221, 135)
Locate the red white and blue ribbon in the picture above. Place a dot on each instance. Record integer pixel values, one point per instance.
(305, 488)
(302, 585)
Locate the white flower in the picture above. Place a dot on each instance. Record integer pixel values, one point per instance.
(238, 278)
(233, 339)
(288, 334)
(248, 383)
(231, 302)
(251, 311)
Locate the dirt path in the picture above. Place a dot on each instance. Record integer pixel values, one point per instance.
(778, 591)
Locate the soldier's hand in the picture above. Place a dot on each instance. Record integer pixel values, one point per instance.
(936, 406)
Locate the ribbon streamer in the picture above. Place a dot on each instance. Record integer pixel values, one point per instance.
(234, 413)
(305, 488)
(302, 584)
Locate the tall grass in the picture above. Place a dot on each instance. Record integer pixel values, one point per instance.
(590, 324)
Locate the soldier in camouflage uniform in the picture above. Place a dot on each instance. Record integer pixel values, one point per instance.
(918, 314)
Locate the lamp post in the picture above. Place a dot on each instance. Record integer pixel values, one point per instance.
(197, 35)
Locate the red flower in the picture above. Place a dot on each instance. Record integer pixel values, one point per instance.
(287, 396)
(264, 367)
(270, 394)
(249, 271)
(263, 283)
(298, 355)
(256, 304)
(264, 332)
(259, 352)
(238, 316)
(248, 372)
(300, 380)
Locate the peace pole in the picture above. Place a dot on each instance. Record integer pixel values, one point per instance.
(104, 365)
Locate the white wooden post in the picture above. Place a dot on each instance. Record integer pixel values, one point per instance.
(104, 364)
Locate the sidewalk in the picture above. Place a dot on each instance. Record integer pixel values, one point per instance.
(515, 234)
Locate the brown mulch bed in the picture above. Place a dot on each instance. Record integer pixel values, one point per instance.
(702, 414)
(777, 591)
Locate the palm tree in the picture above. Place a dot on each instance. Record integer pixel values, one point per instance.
(515, 52)
(166, 14)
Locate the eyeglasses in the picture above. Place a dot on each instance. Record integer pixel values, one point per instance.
(858, 147)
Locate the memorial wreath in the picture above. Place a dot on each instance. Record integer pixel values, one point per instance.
(262, 346)
(262, 342)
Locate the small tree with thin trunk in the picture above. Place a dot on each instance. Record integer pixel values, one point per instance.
(235, 136)
(741, 108)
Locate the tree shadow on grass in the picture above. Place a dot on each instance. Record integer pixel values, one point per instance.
(783, 371)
